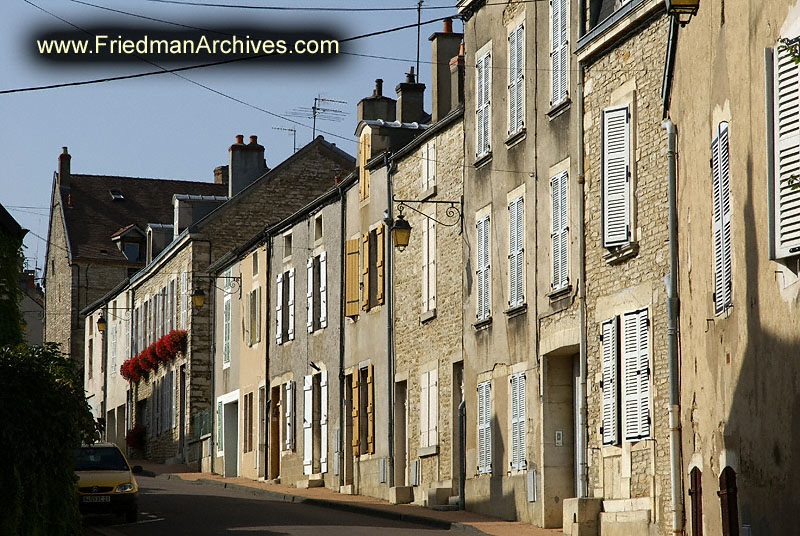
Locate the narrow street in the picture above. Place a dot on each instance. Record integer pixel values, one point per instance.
(171, 507)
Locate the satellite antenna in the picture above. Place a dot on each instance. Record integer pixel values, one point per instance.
(324, 113)
(294, 136)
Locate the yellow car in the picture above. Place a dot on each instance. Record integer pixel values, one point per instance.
(105, 481)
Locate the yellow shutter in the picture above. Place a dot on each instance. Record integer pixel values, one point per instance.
(379, 263)
(370, 412)
(356, 432)
(365, 272)
(351, 278)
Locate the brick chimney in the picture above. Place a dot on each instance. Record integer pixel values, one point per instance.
(245, 164)
(376, 106)
(64, 167)
(457, 78)
(410, 99)
(444, 46)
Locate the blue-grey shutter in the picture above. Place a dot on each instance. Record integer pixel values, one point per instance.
(616, 176)
(610, 366)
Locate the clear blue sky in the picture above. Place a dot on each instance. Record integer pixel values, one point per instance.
(163, 126)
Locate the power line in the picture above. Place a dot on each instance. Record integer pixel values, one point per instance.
(325, 8)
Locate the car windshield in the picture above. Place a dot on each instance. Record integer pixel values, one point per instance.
(100, 459)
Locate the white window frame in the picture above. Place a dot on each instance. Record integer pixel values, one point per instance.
(559, 51)
(516, 251)
(516, 79)
(635, 348)
(721, 218)
(226, 331)
(616, 176)
(483, 105)
(517, 455)
(484, 427)
(559, 230)
(429, 409)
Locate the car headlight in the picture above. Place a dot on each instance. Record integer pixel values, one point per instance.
(122, 488)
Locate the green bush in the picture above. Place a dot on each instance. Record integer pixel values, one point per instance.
(45, 417)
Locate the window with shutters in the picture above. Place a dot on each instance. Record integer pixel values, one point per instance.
(483, 93)
(288, 414)
(609, 339)
(284, 306)
(559, 51)
(518, 422)
(636, 375)
(616, 177)
(247, 417)
(351, 273)
(113, 351)
(252, 327)
(363, 411)
(429, 409)
(428, 166)
(483, 269)
(287, 246)
(316, 299)
(220, 436)
(255, 263)
(364, 153)
(226, 331)
(184, 293)
(516, 80)
(559, 230)
(696, 501)
(372, 268)
(729, 504)
(428, 265)
(516, 252)
(721, 219)
(484, 422)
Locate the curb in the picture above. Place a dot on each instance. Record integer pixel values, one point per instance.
(336, 505)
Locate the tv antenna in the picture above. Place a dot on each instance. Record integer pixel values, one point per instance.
(324, 113)
(294, 136)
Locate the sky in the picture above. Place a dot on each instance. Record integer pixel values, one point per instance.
(166, 127)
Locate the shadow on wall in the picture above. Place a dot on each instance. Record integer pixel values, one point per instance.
(485, 494)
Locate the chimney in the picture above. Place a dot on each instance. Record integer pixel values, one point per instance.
(221, 175)
(245, 164)
(376, 106)
(64, 167)
(444, 45)
(457, 78)
(410, 99)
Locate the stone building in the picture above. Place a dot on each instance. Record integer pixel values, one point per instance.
(620, 56)
(521, 260)
(428, 364)
(734, 106)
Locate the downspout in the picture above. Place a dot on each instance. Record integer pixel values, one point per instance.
(104, 357)
(342, 407)
(672, 338)
(212, 351)
(389, 284)
(267, 343)
(582, 449)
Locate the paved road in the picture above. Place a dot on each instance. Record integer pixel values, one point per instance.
(174, 507)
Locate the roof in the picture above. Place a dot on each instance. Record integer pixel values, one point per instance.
(92, 216)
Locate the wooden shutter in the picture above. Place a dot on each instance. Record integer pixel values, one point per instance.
(323, 421)
(518, 421)
(289, 416)
(425, 167)
(379, 264)
(173, 387)
(636, 360)
(247, 318)
(787, 153)
(220, 437)
(370, 410)
(720, 181)
(290, 304)
(433, 407)
(484, 428)
(226, 330)
(729, 503)
(184, 293)
(559, 52)
(483, 267)
(351, 278)
(482, 80)
(258, 314)
(696, 501)
(323, 290)
(431, 163)
(365, 272)
(424, 427)
(308, 417)
(279, 309)
(356, 414)
(310, 295)
(425, 254)
(616, 176)
(516, 78)
(610, 366)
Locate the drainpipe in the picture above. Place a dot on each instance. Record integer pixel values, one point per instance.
(672, 338)
(582, 486)
(342, 407)
(389, 283)
(462, 457)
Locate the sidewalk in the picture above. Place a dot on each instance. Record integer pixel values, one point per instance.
(467, 522)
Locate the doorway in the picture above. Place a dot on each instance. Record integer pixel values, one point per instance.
(458, 396)
(400, 434)
(347, 451)
(231, 438)
(182, 409)
(275, 433)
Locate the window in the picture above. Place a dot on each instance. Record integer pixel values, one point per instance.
(786, 132)
(184, 298)
(518, 421)
(516, 80)
(288, 415)
(226, 331)
(90, 366)
(559, 234)
(372, 268)
(351, 278)
(428, 165)
(287, 245)
(318, 228)
(131, 251)
(113, 350)
(696, 501)
(516, 259)
(247, 417)
(483, 68)
(728, 502)
(429, 409)
(484, 421)
(721, 222)
(220, 445)
(255, 263)
(364, 153)
(483, 270)
(311, 420)
(284, 307)
(610, 366)
(559, 52)
(363, 412)
(636, 374)
(428, 265)
(316, 301)
(252, 317)
(616, 176)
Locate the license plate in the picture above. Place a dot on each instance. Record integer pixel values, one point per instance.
(98, 499)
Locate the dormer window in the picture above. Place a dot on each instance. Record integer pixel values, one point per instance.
(116, 195)
(131, 251)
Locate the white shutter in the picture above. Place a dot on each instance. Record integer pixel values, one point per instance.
(431, 163)
(484, 291)
(323, 290)
(484, 428)
(424, 427)
(516, 266)
(616, 175)
(433, 407)
(720, 180)
(431, 267)
(290, 303)
(425, 279)
(323, 421)
(184, 298)
(559, 51)
(247, 318)
(289, 416)
(226, 330)
(483, 92)
(610, 366)
(173, 380)
(310, 295)
(258, 314)
(425, 167)
(559, 230)
(308, 417)
(279, 309)
(516, 76)
(635, 358)
(787, 153)
(518, 421)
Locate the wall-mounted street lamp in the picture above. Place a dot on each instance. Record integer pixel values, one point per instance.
(199, 297)
(683, 7)
(101, 324)
(401, 229)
